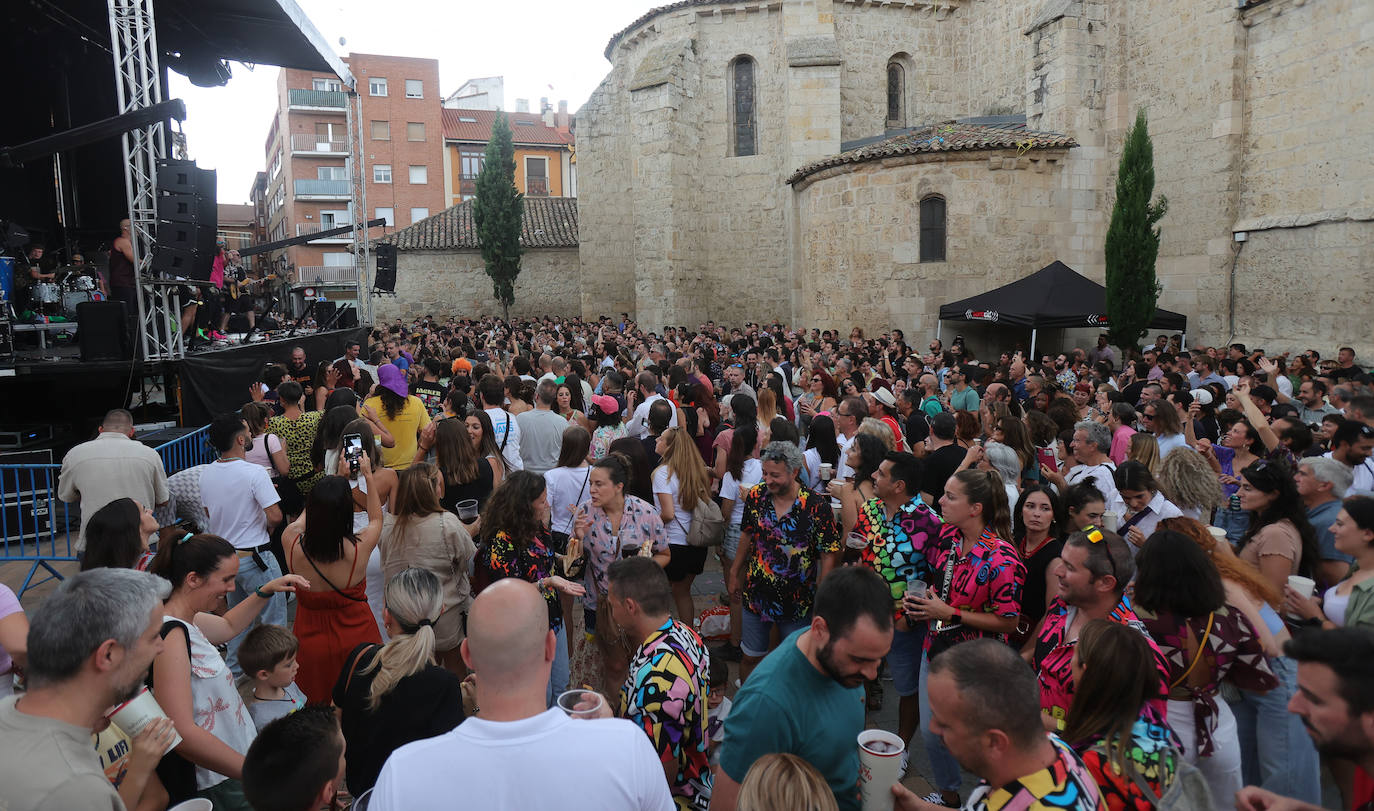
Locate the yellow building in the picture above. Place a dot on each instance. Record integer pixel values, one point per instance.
(544, 161)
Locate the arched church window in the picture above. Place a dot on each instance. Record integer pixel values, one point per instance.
(896, 95)
(743, 131)
(933, 229)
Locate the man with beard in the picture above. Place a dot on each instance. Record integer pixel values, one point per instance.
(1335, 701)
(806, 697)
(299, 370)
(89, 648)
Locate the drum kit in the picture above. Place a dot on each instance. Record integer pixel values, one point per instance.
(61, 297)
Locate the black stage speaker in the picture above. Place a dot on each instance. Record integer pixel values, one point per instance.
(324, 310)
(238, 322)
(101, 332)
(386, 268)
(348, 319)
(188, 220)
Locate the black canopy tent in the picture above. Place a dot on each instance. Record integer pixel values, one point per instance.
(1054, 296)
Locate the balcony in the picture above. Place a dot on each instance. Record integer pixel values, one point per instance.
(320, 101)
(536, 187)
(317, 276)
(303, 143)
(322, 189)
(467, 185)
(305, 228)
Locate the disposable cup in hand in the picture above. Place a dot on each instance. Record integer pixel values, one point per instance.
(827, 471)
(917, 587)
(136, 713)
(580, 703)
(467, 509)
(880, 767)
(1302, 585)
(1218, 534)
(856, 540)
(1110, 520)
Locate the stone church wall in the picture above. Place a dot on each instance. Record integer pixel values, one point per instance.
(456, 283)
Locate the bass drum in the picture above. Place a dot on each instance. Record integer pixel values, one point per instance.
(71, 298)
(81, 283)
(46, 293)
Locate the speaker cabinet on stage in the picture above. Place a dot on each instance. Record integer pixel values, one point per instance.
(238, 322)
(188, 219)
(324, 310)
(386, 268)
(348, 319)
(101, 332)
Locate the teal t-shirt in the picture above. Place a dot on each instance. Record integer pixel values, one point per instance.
(789, 706)
(966, 400)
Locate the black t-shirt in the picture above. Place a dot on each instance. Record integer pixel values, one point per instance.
(1340, 373)
(1033, 593)
(421, 705)
(916, 427)
(479, 488)
(1131, 394)
(940, 464)
(431, 394)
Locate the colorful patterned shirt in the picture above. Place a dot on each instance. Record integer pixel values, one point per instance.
(784, 552)
(1233, 654)
(1067, 380)
(1053, 658)
(1152, 751)
(639, 524)
(988, 579)
(1064, 784)
(901, 548)
(532, 563)
(666, 695)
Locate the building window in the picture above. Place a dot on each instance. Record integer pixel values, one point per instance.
(470, 166)
(933, 229)
(742, 127)
(419, 175)
(327, 84)
(417, 214)
(415, 89)
(331, 172)
(388, 214)
(376, 86)
(415, 131)
(381, 173)
(896, 95)
(276, 165)
(536, 177)
(381, 130)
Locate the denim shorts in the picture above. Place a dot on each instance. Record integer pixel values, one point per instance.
(904, 660)
(731, 545)
(756, 630)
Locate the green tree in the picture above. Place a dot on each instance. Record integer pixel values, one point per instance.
(1133, 243)
(498, 212)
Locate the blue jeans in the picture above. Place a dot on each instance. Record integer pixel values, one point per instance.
(1277, 754)
(251, 577)
(754, 632)
(1235, 522)
(904, 660)
(559, 675)
(942, 763)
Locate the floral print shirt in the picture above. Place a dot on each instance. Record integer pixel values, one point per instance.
(602, 438)
(1064, 784)
(988, 579)
(1152, 751)
(784, 552)
(899, 549)
(666, 695)
(532, 564)
(1053, 658)
(639, 524)
(1232, 653)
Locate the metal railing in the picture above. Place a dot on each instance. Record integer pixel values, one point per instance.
(316, 99)
(37, 525)
(322, 188)
(326, 274)
(321, 144)
(304, 228)
(536, 187)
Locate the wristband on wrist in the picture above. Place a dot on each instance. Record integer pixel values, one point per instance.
(957, 617)
(263, 595)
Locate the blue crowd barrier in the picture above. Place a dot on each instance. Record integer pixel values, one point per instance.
(37, 526)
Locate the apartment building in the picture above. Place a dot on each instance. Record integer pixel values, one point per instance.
(308, 185)
(545, 163)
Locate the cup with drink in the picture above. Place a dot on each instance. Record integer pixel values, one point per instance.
(856, 540)
(1304, 586)
(467, 510)
(581, 703)
(1110, 520)
(880, 767)
(138, 712)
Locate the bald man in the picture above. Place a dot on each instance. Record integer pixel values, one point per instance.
(112, 466)
(518, 751)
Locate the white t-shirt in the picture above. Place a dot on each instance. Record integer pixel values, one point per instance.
(665, 481)
(568, 487)
(1364, 475)
(581, 766)
(234, 493)
(842, 468)
(813, 466)
(1102, 480)
(751, 473)
(638, 426)
(500, 419)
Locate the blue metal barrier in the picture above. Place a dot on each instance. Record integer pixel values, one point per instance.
(37, 526)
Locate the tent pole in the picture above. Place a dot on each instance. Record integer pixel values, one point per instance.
(938, 324)
(1033, 331)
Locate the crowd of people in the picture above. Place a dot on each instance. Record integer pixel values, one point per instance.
(1093, 584)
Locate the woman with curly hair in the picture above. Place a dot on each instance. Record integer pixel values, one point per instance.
(403, 414)
(1189, 483)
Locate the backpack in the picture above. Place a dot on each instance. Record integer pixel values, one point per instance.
(708, 525)
(1187, 792)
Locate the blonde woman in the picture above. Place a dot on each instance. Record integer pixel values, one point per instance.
(422, 534)
(784, 782)
(680, 484)
(1144, 448)
(1188, 482)
(389, 695)
(768, 405)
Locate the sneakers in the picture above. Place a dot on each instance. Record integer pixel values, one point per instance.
(218, 336)
(728, 652)
(935, 798)
(906, 764)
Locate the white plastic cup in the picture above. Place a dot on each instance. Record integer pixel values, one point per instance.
(856, 540)
(1219, 534)
(827, 471)
(1111, 520)
(196, 804)
(467, 510)
(880, 767)
(917, 587)
(136, 713)
(1302, 585)
(569, 699)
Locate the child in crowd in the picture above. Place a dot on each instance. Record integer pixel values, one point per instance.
(268, 687)
(717, 706)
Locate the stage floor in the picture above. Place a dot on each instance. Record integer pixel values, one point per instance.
(60, 353)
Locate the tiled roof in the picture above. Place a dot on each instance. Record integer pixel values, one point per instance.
(550, 222)
(950, 136)
(525, 128)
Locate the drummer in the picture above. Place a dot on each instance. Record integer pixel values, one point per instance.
(42, 292)
(80, 268)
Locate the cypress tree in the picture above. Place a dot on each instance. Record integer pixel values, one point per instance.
(1132, 244)
(498, 212)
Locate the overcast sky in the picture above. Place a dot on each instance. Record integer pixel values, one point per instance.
(532, 43)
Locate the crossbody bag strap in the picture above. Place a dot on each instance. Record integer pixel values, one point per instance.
(506, 436)
(1197, 657)
(353, 668)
